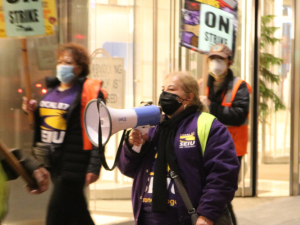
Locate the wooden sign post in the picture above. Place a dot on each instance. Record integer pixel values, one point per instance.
(16, 166)
(28, 90)
(204, 75)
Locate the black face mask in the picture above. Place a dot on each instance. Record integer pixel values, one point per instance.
(169, 102)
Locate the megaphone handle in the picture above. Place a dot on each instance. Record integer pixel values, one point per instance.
(143, 130)
(137, 148)
(102, 154)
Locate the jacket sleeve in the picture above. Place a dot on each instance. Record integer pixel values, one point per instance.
(29, 163)
(237, 114)
(221, 167)
(129, 160)
(94, 163)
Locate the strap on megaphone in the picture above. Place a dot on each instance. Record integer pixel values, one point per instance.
(101, 147)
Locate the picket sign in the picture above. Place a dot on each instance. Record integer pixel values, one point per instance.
(208, 22)
(21, 19)
(24, 18)
(205, 23)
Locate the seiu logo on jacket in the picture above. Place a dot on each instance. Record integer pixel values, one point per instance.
(187, 140)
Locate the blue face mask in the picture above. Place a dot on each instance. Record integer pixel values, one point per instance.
(64, 73)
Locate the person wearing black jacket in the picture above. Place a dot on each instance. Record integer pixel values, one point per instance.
(59, 123)
(228, 99)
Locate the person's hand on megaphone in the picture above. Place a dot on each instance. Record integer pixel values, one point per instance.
(136, 138)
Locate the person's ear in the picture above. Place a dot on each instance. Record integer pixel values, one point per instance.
(190, 96)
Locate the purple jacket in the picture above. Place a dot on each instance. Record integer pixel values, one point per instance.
(211, 181)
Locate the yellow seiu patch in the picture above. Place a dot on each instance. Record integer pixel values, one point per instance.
(187, 137)
(187, 140)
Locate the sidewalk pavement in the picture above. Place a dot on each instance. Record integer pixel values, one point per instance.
(248, 211)
(267, 210)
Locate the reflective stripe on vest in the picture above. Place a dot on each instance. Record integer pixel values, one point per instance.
(239, 134)
(230, 94)
(204, 123)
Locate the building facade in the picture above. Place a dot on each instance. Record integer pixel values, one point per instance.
(134, 44)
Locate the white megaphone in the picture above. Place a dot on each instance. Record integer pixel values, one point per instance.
(113, 120)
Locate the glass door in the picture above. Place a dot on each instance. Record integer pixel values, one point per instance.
(274, 129)
(111, 30)
(243, 68)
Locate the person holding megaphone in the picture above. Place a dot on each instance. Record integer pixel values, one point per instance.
(187, 169)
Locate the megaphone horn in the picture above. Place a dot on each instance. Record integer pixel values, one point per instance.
(113, 120)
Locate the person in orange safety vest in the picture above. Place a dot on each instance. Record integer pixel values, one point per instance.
(227, 97)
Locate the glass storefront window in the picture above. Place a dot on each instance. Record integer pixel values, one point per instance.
(274, 144)
(153, 44)
(111, 30)
(15, 131)
(134, 45)
(242, 67)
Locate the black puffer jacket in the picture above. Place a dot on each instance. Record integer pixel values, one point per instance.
(72, 162)
(235, 115)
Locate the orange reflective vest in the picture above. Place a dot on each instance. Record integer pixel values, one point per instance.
(239, 134)
(90, 90)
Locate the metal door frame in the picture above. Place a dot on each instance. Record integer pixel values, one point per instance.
(295, 106)
(255, 102)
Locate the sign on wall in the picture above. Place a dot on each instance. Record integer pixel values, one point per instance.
(21, 18)
(45, 48)
(208, 22)
(111, 72)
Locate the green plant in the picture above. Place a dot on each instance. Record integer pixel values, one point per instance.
(266, 62)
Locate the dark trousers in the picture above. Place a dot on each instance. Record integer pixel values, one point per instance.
(68, 205)
(229, 204)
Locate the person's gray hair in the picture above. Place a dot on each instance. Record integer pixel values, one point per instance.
(189, 84)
